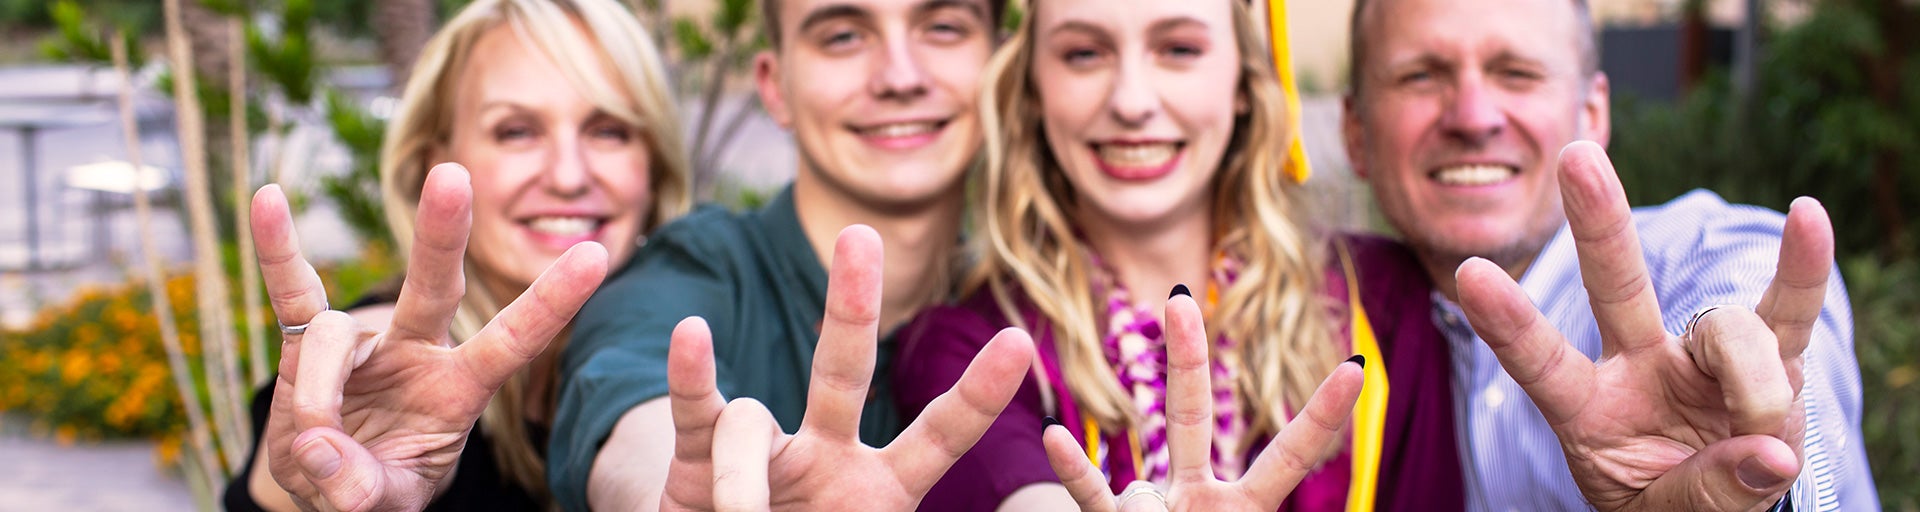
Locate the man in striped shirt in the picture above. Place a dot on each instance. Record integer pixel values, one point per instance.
(1457, 112)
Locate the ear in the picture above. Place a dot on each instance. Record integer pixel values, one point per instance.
(1597, 112)
(1353, 135)
(766, 79)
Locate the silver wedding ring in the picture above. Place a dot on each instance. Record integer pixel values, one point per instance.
(1695, 321)
(293, 330)
(1140, 489)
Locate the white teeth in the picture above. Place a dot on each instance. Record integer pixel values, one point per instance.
(1469, 175)
(900, 130)
(1137, 155)
(564, 226)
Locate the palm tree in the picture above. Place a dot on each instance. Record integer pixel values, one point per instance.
(401, 28)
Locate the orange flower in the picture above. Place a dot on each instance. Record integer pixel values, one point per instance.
(167, 451)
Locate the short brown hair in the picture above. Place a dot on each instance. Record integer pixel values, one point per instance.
(1357, 42)
(770, 19)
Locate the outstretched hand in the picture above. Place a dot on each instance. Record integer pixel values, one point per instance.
(1191, 484)
(733, 456)
(1711, 419)
(366, 420)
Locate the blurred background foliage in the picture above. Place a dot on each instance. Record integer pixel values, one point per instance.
(94, 368)
(1833, 113)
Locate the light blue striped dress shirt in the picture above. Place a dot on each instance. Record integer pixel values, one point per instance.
(1700, 252)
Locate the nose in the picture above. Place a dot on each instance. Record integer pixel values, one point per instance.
(567, 172)
(1133, 101)
(900, 76)
(1474, 115)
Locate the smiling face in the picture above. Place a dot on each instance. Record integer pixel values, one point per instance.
(879, 93)
(1137, 100)
(550, 169)
(1460, 112)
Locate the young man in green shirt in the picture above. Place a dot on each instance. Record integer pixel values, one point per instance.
(879, 95)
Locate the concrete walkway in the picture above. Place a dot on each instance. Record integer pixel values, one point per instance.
(36, 474)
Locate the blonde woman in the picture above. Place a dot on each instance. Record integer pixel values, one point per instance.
(1137, 147)
(558, 117)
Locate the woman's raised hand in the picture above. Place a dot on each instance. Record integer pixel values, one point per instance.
(1191, 484)
(364, 419)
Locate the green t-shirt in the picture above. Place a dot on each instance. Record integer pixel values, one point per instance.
(755, 279)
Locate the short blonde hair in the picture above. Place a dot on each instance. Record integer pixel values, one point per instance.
(1277, 313)
(634, 90)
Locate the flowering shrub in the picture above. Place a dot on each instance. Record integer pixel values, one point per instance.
(95, 368)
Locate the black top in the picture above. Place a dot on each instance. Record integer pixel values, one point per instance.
(477, 483)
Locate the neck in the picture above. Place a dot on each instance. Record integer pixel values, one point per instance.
(917, 239)
(1150, 260)
(1441, 267)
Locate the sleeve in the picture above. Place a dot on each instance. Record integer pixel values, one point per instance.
(1731, 262)
(937, 348)
(238, 497)
(616, 357)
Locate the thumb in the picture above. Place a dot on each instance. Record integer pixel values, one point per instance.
(347, 476)
(1741, 473)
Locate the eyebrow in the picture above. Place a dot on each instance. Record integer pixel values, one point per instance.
(1080, 26)
(1174, 23)
(832, 12)
(493, 104)
(929, 6)
(1156, 28)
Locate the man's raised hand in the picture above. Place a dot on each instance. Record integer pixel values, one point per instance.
(1710, 419)
(733, 456)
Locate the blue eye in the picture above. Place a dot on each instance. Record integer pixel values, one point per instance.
(615, 132)
(840, 39)
(512, 133)
(1080, 56)
(1181, 51)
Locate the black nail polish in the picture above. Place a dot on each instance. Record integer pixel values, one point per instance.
(1047, 422)
(1359, 359)
(1179, 289)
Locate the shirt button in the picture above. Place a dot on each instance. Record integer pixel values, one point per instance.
(1493, 397)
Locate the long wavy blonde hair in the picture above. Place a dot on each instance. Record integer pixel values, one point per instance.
(572, 33)
(1275, 311)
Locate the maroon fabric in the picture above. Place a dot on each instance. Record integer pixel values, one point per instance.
(1420, 469)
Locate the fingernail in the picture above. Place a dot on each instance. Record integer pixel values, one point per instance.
(1755, 474)
(1803, 202)
(320, 458)
(1179, 289)
(1359, 360)
(1048, 422)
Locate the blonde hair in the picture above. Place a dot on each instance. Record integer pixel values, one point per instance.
(1274, 311)
(571, 33)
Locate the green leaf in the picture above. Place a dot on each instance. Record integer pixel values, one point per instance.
(692, 41)
(732, 16)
